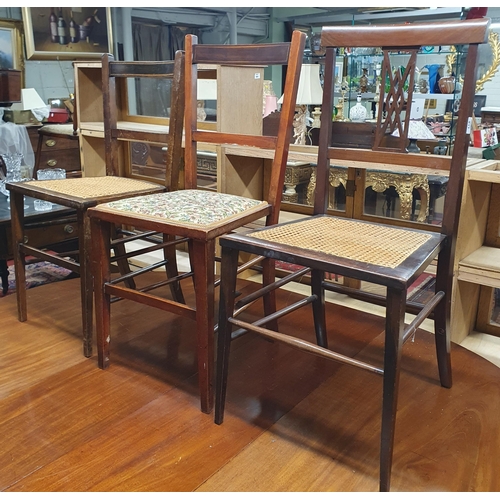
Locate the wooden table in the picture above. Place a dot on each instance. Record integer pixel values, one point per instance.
(53, 227)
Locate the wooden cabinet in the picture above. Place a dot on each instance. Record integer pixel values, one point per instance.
(477, 266)
(57, 152)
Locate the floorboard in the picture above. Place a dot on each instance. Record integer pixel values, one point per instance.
(293, 422)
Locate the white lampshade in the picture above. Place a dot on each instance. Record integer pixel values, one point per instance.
(310, 90)
(417, 129)
(207, 90)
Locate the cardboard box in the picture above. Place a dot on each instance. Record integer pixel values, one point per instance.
(485, 137)
(19, 116)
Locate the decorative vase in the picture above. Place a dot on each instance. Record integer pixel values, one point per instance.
(12, 163)
(447, 84)
(358, 112)
(363, 81)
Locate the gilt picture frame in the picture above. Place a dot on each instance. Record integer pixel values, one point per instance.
(11, 48)
(67, 32)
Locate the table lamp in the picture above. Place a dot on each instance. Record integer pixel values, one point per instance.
(417, 130)
(309, 92)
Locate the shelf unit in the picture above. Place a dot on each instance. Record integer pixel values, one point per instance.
(477, 267)
(233, 115)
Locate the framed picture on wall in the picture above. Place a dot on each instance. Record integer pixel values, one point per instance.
(67, 32)
(11, 53)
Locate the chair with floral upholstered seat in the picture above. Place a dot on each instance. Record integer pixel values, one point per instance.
(200, 215)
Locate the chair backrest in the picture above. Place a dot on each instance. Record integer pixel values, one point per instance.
(170, 136)
(258, 55)
(405, 38)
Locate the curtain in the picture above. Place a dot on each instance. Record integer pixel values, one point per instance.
(152, 43)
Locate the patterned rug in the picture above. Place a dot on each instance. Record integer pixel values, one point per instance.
(38, 274)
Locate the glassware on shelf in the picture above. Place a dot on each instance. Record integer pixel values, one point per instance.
(12, 163)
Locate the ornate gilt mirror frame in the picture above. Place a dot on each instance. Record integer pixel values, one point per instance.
(494, 44)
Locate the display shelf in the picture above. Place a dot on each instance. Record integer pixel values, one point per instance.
(477, 266)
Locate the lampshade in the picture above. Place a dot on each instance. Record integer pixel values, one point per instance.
(310, 90)
(417, 129)
(207, 90)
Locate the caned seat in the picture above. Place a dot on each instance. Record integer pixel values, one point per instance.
(361, 250)
(83, 193)
(197, 214)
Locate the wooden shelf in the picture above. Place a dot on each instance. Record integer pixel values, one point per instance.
(481, 266)
(477, 265)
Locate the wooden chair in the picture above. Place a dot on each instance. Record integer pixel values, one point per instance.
(199, 215)
(85, 192)
(388, 255)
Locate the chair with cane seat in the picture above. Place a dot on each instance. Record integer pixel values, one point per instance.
(85, 192)
(387, 255)
(200, 215)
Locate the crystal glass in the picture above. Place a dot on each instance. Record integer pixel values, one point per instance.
(45, 175)
(13, 163)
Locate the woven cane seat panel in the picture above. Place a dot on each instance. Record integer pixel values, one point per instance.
(190, 206)
(349, 239)
(93, 187)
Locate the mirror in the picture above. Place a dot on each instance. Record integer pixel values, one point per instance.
(488, 60)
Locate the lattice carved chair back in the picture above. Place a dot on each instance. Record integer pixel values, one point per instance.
(386, 255)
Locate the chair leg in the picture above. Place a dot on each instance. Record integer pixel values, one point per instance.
(268, 277)
(442, 327)
(317, 278)
(38, 155)
(203, 259)
(101, 232)
(229, 270)
(395, 311)
(86, 281)
(17, 223)
(170, 255)
(122, 264)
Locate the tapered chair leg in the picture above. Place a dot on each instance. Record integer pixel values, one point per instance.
(269, 299)
(203, 253)
(226, 307)
(396, 302)
(170, 256)
(100, 231)
(317, 278)
(86, 282)
(17, 223)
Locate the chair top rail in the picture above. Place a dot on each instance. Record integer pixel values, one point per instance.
(242, 55)
(408, 35)
(135, 69)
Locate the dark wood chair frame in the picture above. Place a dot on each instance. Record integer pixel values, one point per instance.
(202, 239)
(440, 245)
(81, 265)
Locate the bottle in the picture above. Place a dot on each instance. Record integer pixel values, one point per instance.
(53, 26)
(61, 29)
(73, 32)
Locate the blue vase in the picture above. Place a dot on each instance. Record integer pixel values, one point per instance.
(433, 78)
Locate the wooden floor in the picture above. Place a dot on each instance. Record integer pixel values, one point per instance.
(293, 422)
